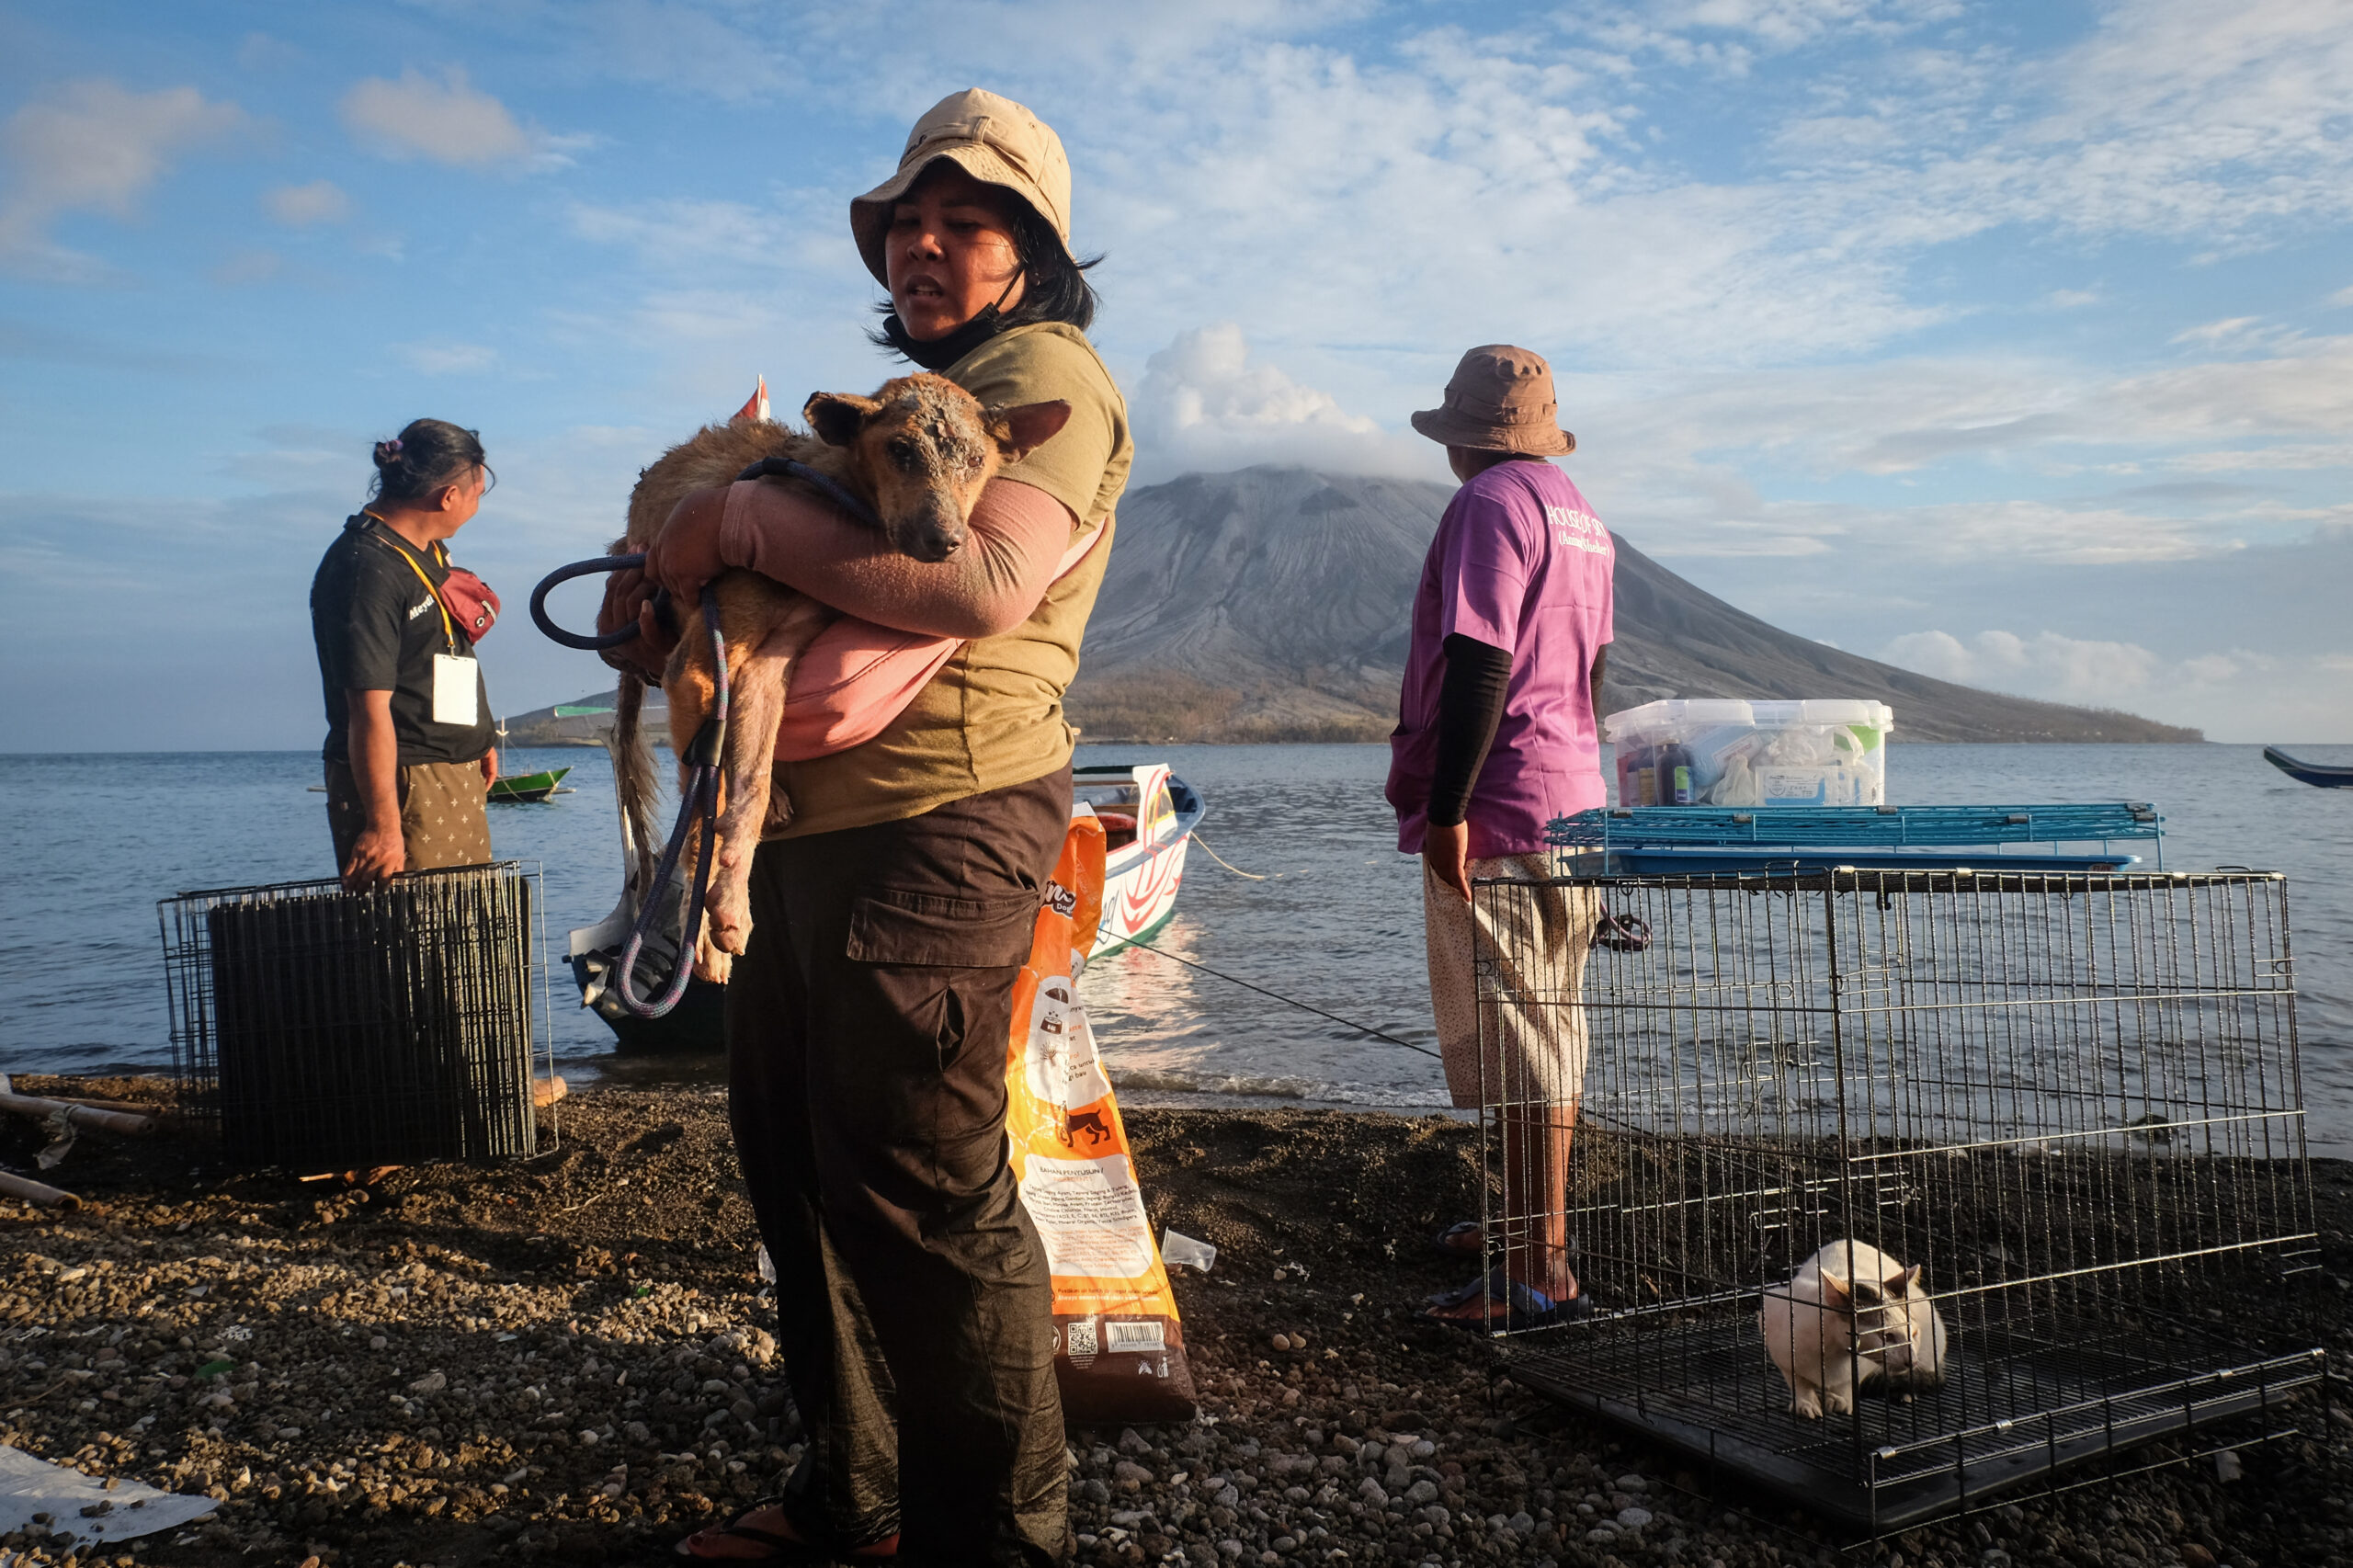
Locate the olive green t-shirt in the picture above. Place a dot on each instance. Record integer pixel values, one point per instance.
(993, 716)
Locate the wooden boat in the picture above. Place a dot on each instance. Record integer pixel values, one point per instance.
(2313, 773)
(520, 787)
(1149, 814)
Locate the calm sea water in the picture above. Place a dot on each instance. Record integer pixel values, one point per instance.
(91, 842)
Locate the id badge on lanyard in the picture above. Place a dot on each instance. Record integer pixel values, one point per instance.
(457, 682)
(456, 691)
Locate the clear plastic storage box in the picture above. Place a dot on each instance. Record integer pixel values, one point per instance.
(1728, 751)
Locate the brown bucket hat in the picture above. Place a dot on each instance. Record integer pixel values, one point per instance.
(1500, 401)
(994, 140)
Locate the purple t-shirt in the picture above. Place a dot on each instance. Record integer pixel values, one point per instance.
(1520, 562)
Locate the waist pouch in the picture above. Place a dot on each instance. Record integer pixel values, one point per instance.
(471, 603)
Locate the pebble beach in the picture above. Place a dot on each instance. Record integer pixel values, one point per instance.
(568, 1359)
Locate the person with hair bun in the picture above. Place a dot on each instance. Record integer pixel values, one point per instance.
(409, 758)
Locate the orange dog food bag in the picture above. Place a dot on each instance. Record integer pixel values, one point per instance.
(1119, 1348)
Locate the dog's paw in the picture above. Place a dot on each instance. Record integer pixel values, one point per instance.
(713, 964)
(1837, 1404)
(729, 926)
(1805, 1407)
(779, 815)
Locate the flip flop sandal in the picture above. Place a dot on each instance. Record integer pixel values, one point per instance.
(1524, 1306)
(781, 1548)
(1448, 1242)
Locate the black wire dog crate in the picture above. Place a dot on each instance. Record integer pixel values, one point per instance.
(2072, 1100)
(323, 1029)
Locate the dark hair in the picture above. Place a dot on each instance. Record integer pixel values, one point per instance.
(423, 458)
(1054, 285)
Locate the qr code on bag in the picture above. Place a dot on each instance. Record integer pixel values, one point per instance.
(1081, 1337)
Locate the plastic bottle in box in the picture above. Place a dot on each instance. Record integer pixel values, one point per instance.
(1752, 753)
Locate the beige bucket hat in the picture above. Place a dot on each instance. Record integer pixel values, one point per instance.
(994, 140)
(1500, 401)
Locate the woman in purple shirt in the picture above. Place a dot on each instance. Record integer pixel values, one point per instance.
(1496, 736)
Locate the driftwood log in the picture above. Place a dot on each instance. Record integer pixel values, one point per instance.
(32, 1191)
(78, 1116)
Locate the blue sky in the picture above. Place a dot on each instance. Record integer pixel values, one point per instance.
(2011, 343)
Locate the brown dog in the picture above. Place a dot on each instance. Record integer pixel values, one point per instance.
(918, 453)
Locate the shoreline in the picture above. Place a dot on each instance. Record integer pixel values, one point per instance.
(566, 1358)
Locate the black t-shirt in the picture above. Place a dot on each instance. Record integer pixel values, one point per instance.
(378, 629)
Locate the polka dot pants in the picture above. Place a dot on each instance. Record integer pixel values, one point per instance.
(442, 819)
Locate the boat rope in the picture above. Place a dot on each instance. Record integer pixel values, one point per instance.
(1288, 1001)
(1248, 876)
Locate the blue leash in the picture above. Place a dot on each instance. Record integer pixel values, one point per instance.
(592, 642)
(700, 799)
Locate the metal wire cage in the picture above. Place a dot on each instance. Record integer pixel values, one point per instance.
(323, 1030)
(2073, 1101)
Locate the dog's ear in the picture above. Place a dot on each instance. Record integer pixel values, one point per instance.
(1835, 1294)
(1908, 1281)
(837, 418)
(1023, 428)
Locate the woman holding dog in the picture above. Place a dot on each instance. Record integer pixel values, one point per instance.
(867, 1022)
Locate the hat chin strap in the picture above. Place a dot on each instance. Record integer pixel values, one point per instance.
(941, 352)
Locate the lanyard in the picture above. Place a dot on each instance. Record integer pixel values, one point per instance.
(449, 629)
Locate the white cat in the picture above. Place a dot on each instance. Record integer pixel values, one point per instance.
(1849, 1314)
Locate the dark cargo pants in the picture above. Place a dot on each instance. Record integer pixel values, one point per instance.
(867, 1029)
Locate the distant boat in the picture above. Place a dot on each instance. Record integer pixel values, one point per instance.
(2309, 772)
(517, 788)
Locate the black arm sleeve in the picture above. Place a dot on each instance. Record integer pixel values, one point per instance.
(1470, 706)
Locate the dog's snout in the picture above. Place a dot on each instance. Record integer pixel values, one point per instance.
(931, 535)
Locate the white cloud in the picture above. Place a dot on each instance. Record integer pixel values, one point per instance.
(2071, 299)
(93, 146)
(299, 206)
(687, 235)
(1728, 35)
(2237, 335)
(2234, 694)
(2047, 664)
(1203, 404)
(1669, 456)
(447, 358)
(2343, 297)
(1324, 180)
(248, 267)
(448, 122)
(2218, 334)
(260, 52)
(1325, 184)
(1681, 448)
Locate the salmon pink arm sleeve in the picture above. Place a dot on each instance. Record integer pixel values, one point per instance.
(992, 585)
